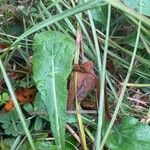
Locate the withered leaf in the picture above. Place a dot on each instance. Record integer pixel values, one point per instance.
(86, 81)
(89, 104)
(9, 105)
(25, 95)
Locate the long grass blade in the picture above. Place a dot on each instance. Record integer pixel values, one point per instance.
(20, 114)
(102, 85)
(54, 19)
(76, 61)
(118, 4)
(123, 89)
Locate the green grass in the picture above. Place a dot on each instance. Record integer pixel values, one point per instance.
(101, 42)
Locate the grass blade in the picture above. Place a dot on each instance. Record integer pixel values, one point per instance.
(54, 19)
(123, 88)
(102, 85)
(21, 116)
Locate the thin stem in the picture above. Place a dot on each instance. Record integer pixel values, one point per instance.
(102, 85)
(96, 43)
(20, 114)
(123, 89)
(66, 19)
(84, 29)
(76, 61)
(137, 85)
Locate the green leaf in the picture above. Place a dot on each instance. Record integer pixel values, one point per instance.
(52, 63)
(45, 145)
(130, 40)
(100, 14)
(28, 107)
(12, 124)
(3, 98)
(5, 144)
(39, 107)
(135, 4)
(38, 123)
(129, 135)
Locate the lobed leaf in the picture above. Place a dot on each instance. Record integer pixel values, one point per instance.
(129, 135)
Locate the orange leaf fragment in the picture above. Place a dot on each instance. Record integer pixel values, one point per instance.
(9, 106)
(25, 95)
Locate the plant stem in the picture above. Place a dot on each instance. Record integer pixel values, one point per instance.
(76, 61)
(102, 85)
(137, 85)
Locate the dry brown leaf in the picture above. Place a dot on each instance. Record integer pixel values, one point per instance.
(86, 81)
(89, 104)
(15, 75)
(3, 46)
(110, 66)
(25, 95)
